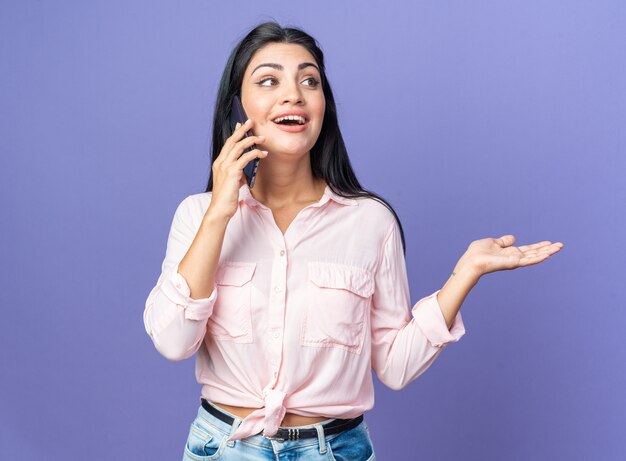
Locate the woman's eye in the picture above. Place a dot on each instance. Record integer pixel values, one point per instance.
(265, 80)
(314, 82)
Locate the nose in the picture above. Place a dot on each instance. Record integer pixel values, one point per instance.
(291, 93)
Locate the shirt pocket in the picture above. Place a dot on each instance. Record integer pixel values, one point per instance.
(231, 319)
(337, 306)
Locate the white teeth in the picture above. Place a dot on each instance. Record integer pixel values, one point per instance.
(298, 118)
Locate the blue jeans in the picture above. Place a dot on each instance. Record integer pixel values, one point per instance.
(208, 434)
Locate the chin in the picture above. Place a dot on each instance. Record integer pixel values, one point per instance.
(291, 148)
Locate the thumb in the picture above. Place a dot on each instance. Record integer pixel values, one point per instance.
(506, 240)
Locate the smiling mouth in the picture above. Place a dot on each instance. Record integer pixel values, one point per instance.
(290, 120)
(292, 127)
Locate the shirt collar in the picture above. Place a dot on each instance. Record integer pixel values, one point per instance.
(246, 197)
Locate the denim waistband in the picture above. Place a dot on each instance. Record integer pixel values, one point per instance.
(258, 439)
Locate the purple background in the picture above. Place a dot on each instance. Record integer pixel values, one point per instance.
(474, 119)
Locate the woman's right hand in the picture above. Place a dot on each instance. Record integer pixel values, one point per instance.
(228, 175)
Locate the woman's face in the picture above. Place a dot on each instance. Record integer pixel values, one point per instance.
(284, 79)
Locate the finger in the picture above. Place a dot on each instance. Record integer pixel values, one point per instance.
(506, 240)
(242, 145)
(535, 246)
(228, 144)
(551, 249)
(546, 249)
(248, 156)
(239, 132)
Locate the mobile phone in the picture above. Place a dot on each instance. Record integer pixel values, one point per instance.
(238, 115)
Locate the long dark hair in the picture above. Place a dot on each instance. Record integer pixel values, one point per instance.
(329, 157)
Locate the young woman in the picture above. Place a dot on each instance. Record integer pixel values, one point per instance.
(293, 291)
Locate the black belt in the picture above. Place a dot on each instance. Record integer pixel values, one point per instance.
(335, 426)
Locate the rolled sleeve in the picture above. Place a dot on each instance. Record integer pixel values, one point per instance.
(429, 317)
(176, 289)
(175, 321)
(404, 346)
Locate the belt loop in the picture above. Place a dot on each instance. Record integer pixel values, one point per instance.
(320, 437)
(233, 428)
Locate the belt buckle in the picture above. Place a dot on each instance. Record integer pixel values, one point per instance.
(294, 434)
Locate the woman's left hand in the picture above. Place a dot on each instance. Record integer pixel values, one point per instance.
(497, 254)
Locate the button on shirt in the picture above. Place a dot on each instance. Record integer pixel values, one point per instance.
(296, 322)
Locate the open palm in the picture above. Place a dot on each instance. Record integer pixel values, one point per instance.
(496, 254)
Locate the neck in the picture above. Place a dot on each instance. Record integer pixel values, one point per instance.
(281, 184)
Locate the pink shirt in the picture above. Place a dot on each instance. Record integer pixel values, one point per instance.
(296, 322)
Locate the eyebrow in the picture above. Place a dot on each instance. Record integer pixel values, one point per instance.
(304, 65)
